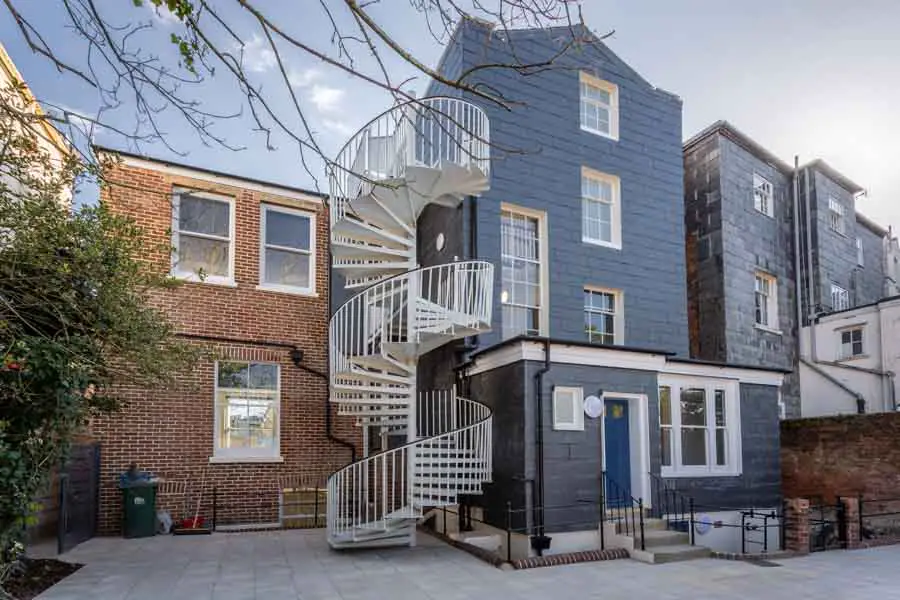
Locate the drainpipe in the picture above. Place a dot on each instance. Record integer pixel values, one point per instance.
(797, 257)
(860, 400)
(810, 276)
(474, 341)
(798, 279)
(540, 542)
(887, 386)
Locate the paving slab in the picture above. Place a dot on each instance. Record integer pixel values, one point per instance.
(299, 565)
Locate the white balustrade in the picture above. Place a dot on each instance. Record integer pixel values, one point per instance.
(429, 132)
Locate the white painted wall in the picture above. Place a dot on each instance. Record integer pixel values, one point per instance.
(48, 139)
(725, 533)
(821, 398)
(873, 375)
(892, 266)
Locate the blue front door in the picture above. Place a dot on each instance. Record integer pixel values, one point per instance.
(618, 454)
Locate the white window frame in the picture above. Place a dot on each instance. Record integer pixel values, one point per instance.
(544, 257)
(836, 216)
(244, 454)
(840, 298)
(310, 290)
(174, 271)
(612, 108)
(734, 463)
(845, 351)
(615, 208)
(618, 314)
(763, 195)
(577, 400)
(860, 253)
(771, 281)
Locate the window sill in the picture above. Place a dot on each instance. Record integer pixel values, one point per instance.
(284, 289)
(611, 245)
(764, 213)
(697, 474)
(852, 358)
(230, 283)
(214, 460)
(608, 136)
(767, 329)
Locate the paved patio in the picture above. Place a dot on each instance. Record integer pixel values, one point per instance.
(298, 564)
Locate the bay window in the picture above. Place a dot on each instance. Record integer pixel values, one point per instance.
(699, 428)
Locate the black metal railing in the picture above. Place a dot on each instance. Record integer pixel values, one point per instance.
(671, 505)
(827, 526)
(755, 526)
(621, 509)
(879, 518)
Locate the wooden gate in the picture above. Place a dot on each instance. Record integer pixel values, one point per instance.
(79, 495)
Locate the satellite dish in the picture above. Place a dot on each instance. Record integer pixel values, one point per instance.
(593, 406)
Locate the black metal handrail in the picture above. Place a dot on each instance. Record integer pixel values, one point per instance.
(621, 509)
(750, 523)
(675, 507)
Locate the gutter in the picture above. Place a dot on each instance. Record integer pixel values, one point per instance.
(860, 400)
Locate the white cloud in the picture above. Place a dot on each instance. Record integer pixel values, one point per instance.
(338, 127)
(162, 15)
(258, 57)
(304, 78)
(326, 99)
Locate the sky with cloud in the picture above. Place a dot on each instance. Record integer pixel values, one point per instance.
(815, 78)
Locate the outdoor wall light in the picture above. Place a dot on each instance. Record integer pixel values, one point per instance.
(296, 356)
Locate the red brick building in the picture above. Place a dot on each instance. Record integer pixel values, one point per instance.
(250, 421)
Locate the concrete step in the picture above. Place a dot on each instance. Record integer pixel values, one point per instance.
(666, 554)
(661, 537)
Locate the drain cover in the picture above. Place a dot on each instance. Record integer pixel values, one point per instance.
(760, 562)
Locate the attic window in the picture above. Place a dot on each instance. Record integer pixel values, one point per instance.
(763, 195)
(599, 106)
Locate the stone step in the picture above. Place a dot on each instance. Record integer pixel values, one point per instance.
(663, 537)
(665, 554)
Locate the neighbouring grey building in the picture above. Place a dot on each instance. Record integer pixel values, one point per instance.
(585, 223)
(759, 264)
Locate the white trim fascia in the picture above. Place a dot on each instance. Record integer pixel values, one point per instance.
(738, 374)
(561, 353)
(500, 358)
(229, 180)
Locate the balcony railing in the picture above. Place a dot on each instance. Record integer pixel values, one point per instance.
(428, 132)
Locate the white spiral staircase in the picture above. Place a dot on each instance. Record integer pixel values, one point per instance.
(434, 150)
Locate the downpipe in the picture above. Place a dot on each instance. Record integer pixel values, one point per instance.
(540, 542)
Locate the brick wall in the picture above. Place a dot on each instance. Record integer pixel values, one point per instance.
(171, 431)
(841, 456)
